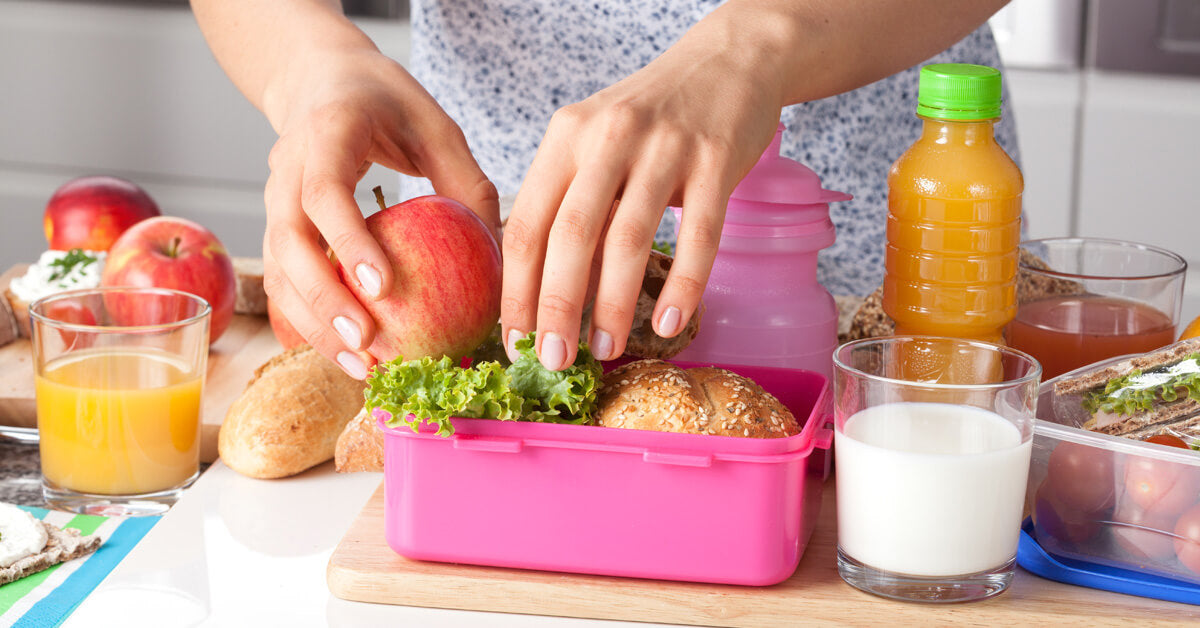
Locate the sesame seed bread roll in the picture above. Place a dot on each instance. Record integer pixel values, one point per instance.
(657, 395)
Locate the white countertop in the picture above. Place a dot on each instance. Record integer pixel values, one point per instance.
(235, 551)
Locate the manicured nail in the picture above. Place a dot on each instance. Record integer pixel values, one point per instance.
(668, 323)
(349, 331)
(510, 345)
(554, 351)
(352, 364)
(369, 279)
(602, 345)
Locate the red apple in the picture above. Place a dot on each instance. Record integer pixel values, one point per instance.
(169, 252)
(284, 332)
(445, 298)
(92, 212)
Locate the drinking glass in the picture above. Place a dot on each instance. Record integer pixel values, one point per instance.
(1096, 299)
(119, 374)
(931, 476)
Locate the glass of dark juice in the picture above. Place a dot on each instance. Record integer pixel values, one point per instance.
(1095, 299)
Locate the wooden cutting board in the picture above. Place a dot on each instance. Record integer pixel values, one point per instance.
(246, 344)
(363, 568)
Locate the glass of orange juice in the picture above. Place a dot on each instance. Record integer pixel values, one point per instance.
(119, 374)
(1098, 299)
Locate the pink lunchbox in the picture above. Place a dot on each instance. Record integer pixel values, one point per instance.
(610, 501)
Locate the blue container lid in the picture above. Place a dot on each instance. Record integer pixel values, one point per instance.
(1035, 559)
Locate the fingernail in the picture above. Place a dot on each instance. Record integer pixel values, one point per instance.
(554, 351)
(668, 323)
(602, 345)
(352, 364)
(369, 279)
(349, 331)
(510, 346)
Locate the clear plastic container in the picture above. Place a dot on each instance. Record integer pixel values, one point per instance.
(1110, 500)
(610, 501)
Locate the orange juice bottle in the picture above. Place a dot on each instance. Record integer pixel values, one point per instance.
(954, 213)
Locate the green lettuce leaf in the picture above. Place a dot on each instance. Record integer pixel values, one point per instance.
(566, 396)
(1139, 391)
(432, 391)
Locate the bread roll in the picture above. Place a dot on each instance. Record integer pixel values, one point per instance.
(251, 296)
(360, 446)
(643, 342)
(290, 415)
(657, 395)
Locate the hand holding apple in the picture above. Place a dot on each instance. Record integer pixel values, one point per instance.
(92, 212)
(169, 252)
(445, 298)
(282, 328)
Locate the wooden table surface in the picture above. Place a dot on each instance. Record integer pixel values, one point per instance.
(364, 568)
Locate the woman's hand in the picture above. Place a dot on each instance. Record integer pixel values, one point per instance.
(350, 109)
(682, 131)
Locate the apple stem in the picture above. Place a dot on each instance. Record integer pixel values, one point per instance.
(173, 250)
(378, 190)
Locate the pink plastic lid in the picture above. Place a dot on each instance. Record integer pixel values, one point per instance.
(777, 179)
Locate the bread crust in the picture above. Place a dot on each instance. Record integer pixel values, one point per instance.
(1099, 377)
(360, 445)
(643, 342)
(290, 415)
(10, 319)
(251, 297)
(19, 314)
(61, 545)
(656, 395)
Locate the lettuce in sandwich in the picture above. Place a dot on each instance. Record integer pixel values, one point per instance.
(432, 390)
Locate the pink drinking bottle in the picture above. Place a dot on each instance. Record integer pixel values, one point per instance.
(764, 304)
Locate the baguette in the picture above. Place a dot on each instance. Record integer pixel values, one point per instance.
(360, 446)
(290, 415)
(657, 395)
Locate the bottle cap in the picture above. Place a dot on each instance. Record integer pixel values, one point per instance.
(958, 91)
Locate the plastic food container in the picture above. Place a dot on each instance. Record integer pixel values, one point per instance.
(613, 501)
(1110, 500)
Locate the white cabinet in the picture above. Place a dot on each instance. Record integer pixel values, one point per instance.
(133, 91)
(1046, 106)
(1139, 165)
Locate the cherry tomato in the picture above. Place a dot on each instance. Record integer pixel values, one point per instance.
(1145, 535)
(1168, 440)
(1080, 478)
(1166, 487)
(1058, 525)
(1187, 543)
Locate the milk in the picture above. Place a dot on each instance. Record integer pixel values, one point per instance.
(930, 489)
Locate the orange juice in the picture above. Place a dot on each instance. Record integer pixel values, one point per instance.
(954, 220)
(118, 421)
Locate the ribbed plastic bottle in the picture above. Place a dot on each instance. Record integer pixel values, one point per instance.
(954, 213)
(763, 303)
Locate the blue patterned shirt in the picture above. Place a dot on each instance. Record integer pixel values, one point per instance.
(501, 68)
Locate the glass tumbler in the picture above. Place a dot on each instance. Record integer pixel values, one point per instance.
(119, 375)
(1095, 299)
(931, 476)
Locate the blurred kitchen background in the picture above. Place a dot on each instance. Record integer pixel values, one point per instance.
(1106, 96)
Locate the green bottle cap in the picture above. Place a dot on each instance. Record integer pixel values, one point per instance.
(959, 91)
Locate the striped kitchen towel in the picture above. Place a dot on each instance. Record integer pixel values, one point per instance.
(46, 598)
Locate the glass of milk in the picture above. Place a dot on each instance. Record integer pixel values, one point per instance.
(931, 465)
